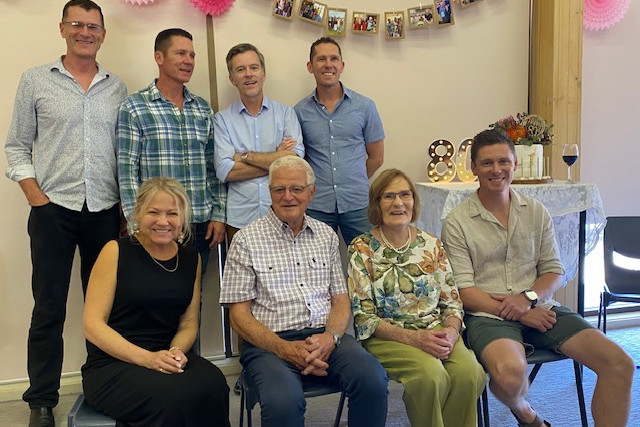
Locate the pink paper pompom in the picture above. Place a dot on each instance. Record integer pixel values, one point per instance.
(213, 7)
(139, 1)
(602, 14)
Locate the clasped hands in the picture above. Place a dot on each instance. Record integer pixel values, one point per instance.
(439, 343)
(517, 308)
(170, 361)
(309, 356)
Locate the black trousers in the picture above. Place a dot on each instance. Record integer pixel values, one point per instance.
(55, 232)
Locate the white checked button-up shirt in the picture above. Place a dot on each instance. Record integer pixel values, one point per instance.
(289, 280)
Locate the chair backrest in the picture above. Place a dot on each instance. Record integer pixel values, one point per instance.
(622, 236)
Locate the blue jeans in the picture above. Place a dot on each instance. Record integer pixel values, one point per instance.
(279, 384)
(351, 224)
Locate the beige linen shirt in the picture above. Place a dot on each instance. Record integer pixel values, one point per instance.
(496, 260)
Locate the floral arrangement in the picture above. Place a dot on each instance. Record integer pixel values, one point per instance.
(526, 129)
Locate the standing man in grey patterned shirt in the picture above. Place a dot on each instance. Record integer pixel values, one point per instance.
(61, 151)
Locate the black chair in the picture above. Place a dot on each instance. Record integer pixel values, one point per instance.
(538, 358)
(621, 238)
(249, 397)
(82, 415)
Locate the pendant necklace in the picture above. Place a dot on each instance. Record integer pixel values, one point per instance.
(168, 270)
(400, 249)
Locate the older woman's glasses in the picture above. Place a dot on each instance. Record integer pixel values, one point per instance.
(78, 26)
(293, 189)
(405, 196)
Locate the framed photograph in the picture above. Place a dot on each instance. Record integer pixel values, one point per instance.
(365, 22)
(394, 25)
(336, 22)
(444, 13)
(312, 11)
(283, 9)
(465, 3)
(420, 16)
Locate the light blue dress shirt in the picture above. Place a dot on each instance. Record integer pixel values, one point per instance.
(237, 131)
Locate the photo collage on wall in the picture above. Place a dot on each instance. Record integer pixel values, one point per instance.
(393, 24)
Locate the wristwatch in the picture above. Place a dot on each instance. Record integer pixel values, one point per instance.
(244, 156)
(532, 296)
(336, 338)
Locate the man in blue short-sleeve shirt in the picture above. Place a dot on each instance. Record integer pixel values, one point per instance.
(344, 143)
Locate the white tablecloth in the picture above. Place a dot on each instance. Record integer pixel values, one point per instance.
(563, 201)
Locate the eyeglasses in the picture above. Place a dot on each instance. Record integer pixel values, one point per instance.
(405, 196)
(293, 189)
(93, 28)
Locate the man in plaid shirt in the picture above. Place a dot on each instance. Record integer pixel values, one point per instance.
(288, 301)
(165, 130)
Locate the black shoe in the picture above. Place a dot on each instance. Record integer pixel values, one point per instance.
(42, 417)
(237, 388)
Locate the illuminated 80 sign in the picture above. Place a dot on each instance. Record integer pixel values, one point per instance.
(445, 162)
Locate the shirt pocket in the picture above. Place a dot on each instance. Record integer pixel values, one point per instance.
(273, 281)
(319, 276)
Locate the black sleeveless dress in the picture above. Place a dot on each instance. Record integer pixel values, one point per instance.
(146, 311)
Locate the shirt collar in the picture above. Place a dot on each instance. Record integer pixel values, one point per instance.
(156, 94)
(476, 208)
(280, 225)
(238, 107)
(58, 65)
(346, 93)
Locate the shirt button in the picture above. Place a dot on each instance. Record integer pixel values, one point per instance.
(335, 186)
(330, 121)
(301, 284)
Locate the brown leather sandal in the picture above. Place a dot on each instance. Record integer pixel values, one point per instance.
(538, 422)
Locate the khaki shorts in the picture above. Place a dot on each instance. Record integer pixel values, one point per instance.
(483, 330)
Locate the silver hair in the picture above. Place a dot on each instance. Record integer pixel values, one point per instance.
(295, 163)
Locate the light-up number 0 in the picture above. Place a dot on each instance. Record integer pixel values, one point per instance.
(444, 161)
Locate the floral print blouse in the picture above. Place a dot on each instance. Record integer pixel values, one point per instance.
(413, 289)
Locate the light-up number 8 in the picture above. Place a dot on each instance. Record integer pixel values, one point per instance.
(442, 167)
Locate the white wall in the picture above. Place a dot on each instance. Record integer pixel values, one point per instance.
(439, 83)
(610, 113)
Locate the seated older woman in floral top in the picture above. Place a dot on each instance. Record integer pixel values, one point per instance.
(407, 310)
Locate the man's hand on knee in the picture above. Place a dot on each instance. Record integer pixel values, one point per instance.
(539, 318)
(512, 307)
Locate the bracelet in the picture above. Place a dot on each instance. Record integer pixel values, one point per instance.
(175, 348)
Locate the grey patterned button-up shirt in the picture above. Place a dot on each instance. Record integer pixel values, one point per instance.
(64, 137)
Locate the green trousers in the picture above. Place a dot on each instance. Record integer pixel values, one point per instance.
(436, 393)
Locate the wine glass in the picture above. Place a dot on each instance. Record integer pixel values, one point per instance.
(570, 155)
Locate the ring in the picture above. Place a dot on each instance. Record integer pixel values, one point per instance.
(160, 369)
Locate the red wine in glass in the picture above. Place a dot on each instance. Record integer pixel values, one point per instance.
(570, 156)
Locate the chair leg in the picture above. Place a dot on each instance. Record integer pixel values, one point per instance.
(242, 407)
(534, 372)
(577, 369)
(336, 422)
(485, 407)
(600, 310)
(479, 412)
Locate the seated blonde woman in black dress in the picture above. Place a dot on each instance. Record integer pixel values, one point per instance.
(407, 311)
(141, 319)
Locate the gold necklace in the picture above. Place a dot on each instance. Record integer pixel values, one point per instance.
(401, 249)
(165, 268)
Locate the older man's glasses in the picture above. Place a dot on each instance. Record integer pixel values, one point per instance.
(293, 189)
(93, 28)
(405, 196)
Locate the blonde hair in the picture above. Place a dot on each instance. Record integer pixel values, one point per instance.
(150, 188)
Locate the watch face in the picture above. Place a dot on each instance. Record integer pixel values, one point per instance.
(531, 295)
